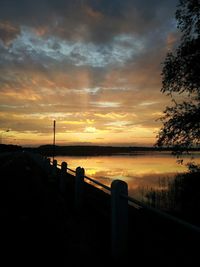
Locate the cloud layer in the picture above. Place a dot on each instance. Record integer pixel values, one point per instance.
(94, 66)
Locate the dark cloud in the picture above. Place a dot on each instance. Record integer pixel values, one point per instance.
(89, 20)
(8, 32)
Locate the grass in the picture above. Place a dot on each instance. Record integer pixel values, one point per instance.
(179, 196)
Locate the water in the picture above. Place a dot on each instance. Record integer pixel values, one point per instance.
(141, 172)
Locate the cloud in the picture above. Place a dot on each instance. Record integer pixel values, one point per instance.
(8, 32)
(48, 51)
(92, 65)
(89, 20)
(105, 104)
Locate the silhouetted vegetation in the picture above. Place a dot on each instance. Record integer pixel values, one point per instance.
(181, 121)
(179, 196)
(10, 148)
(181, 81)
(48, 150)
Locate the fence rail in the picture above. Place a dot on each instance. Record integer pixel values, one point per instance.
(119, 206)
(88, 178)
(140, 204)
(143, 205)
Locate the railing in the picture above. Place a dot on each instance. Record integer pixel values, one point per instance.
(119, 206)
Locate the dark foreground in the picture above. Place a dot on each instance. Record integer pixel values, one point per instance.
(40, 226)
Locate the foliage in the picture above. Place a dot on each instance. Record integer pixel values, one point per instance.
(181, 81)
(179, 196)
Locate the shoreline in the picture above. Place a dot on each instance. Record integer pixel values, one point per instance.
(50, 150)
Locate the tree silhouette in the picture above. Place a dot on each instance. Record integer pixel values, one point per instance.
(181, 81)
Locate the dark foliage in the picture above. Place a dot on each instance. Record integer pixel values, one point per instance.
(180, 197)
(48, 150)
(181, 81)
(10, 148)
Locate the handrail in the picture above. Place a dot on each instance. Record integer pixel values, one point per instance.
(143, 205)
(71, 170)
(98, 183)
(90, 179)
(68, 169)
(119, 205)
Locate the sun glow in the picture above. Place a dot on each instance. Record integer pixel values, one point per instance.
(96, 74)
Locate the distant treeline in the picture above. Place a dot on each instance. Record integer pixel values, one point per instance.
(10, 148)
(49, 150)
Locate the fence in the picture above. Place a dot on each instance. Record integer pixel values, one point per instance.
(119, 205)
(119, 208)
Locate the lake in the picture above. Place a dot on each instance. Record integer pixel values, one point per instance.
(141, 172)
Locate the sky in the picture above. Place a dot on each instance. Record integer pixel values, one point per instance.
(93, 66)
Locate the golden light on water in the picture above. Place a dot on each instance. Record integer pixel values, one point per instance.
(142, 171)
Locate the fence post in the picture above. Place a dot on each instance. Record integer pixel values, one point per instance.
(119, 220)
(63, 172)
(54, 167)
(55, 163)
(79, 187)
(47, 165)
(48, 160)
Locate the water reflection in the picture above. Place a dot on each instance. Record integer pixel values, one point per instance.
(141, 172)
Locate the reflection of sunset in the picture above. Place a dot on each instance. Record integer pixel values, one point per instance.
(138, 171)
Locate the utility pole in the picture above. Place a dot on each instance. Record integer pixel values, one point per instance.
(54, 138)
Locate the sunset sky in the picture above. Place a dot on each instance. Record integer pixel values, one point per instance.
(94, 66)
